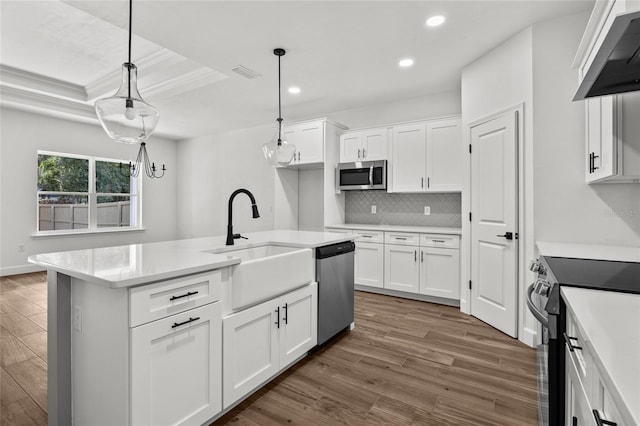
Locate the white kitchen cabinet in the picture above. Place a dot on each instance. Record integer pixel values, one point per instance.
(440, 272)
(577, 408)
(260, 341)
(426, 157)
(176, 368)
(364, 145)
(401, 268)
(369, 264)
(308, 138)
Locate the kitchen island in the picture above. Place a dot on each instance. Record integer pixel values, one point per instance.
(135, 332)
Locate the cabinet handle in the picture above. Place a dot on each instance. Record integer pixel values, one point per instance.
(428, 182)
(401, 238)
(187, 294)
(358, 153)
(178, 324)
(277, 311)
(600, 421)
(438, 241)
(415, 255)
(364, 153)
(590, 162)
(570, 345)
(421, 256)
(366, 236)
(594, 162)
(422, 182)
(286, 310)
(298, 156)
(574, 421)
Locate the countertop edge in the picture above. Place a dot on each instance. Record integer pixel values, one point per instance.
(588, 251)
(399, 228)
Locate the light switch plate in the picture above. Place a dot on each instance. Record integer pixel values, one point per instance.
(427, 210)
(373, 209)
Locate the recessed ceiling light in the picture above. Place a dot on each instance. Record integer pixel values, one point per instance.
(435, 21)
(294, 90)
(405, 63)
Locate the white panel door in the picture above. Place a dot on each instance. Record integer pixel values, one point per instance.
(440, 272)
(176, 368)
(350, 147)
(494, 208)
(444, 155)
(250, 349)
(298, 323)
(401, 268)
(369, 264)
(408, 159)
(375, 144)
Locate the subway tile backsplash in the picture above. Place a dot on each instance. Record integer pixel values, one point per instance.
(403, 209)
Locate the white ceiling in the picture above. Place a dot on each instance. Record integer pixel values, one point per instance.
(342, 54)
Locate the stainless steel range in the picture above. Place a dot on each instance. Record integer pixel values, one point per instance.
(546, 305)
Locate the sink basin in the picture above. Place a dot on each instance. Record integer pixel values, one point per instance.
(266, 272)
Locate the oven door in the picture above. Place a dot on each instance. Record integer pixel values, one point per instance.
(364, 175)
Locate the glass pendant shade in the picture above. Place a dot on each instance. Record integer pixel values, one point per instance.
(278, 154)
(125, 116)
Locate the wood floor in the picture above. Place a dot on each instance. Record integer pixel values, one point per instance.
(406, 362)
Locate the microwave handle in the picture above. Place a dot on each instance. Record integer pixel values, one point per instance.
(371, 176)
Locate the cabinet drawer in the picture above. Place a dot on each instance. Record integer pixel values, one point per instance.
(369, 236)
(402, 238)
(436, 240)
(155, 301)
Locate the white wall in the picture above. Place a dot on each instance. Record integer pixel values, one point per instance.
(214, 166)
(566, 209)
(21, 135)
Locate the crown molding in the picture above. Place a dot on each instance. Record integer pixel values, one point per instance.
(195, 79)
(26, 99)
(21, 78)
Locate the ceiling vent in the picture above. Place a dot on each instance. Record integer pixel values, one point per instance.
(245, 72)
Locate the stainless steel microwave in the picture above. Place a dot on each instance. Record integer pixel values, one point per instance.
(362, 175)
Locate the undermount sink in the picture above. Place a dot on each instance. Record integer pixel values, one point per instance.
(267, 271)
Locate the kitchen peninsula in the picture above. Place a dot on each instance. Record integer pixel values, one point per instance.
(154, 324)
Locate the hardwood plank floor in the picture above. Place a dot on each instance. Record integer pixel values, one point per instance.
(406, 363)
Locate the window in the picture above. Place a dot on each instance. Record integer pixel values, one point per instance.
(85, 193)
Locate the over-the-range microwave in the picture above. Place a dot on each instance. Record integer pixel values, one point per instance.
(362, 175)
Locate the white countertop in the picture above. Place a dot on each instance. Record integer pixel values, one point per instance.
(135, 264)
(589, 251)
(610, 322)
(399, 228)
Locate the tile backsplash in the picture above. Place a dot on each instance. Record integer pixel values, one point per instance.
(403, 209)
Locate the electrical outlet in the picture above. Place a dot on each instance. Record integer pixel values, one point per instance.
(20, 248)
(373, 209)
(77, 319)
(427, 210)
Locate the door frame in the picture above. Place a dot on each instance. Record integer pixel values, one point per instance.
(526, 328)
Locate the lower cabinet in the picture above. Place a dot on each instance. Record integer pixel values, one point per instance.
(175, 368)
(261, 341)
(369, 264)
(440, 272)
(577, 408)
(401, 268)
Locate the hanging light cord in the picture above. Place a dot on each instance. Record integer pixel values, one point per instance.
(279, 105)
(129, 63)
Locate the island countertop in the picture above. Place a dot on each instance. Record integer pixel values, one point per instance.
(135, 264)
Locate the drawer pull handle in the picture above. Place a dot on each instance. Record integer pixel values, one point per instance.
(277, 311)
(367, 236)
(600, 421)
(438, 241)
(400, 238)
(187, 294)
(421, 256)
(570, 345)
(178, 324)
(286, 310)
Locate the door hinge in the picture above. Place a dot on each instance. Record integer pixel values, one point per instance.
(469, 216)
(469, 148)
(469, 284)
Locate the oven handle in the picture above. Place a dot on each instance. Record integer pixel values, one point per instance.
(534, 310)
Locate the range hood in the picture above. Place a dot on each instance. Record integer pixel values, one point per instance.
(616, 66)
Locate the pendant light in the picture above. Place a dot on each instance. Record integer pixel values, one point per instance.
(125, 116)
(279, 152)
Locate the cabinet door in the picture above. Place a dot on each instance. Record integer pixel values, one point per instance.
(176, 368)
(408, 159)
(601, 138)
(369, 264)
(440, 272)
(374, 144)
(444, 156)
(577, 408)
(298, 323)
(350, 147)
(250, 350)
(401, 268)
(309, 141)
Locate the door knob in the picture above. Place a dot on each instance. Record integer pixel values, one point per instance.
(508, 235)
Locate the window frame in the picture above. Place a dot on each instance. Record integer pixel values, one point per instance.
(135, 197)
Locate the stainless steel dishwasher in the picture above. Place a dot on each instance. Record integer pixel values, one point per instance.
(334, 273)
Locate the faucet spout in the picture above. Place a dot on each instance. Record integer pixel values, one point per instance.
(254, 210)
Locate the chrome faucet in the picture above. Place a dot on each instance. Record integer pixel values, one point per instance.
(230, 235)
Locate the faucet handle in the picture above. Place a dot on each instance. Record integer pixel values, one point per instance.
(237, 236)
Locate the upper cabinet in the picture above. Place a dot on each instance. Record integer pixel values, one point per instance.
(310, 139)
(364, 145)
(426, 157)
(612, 145)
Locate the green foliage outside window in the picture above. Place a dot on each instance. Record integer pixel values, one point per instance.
(62, 174)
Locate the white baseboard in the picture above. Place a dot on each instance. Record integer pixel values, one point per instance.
(23, 269)
(528, 337)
